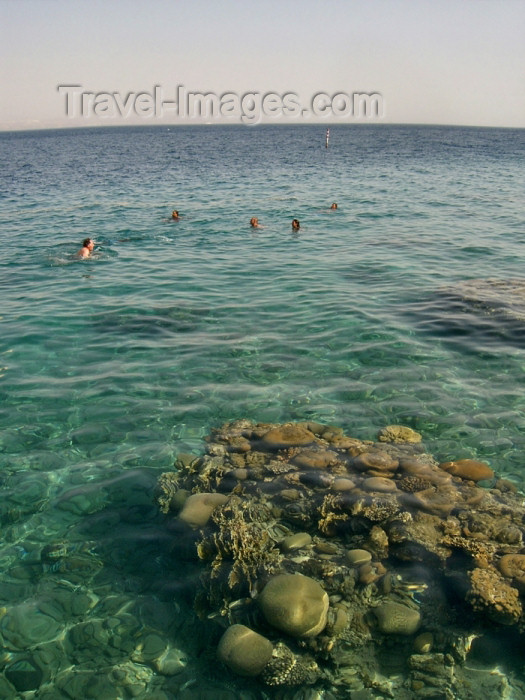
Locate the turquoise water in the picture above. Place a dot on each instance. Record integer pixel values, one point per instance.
(112, 365)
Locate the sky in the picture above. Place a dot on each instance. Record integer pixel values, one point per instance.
(458, 62)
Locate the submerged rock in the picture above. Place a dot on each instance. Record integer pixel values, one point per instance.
(24, 674)
(490, 593)
(468, 469)
(398, 433)
(199, 506)
(297, 541)
(342, 484)
(356, 557)
(288, 435)
(285, 668)
(502, 297)
(379, 483)
(375, 461)
(432, 675)
(513, 566)
(171, 662)
(25, 625)
(244, 651)
(321, 551)
(423, 643)
(295, 604)
(394, 618)
(315, 459)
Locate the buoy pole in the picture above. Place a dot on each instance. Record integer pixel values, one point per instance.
(327, 139)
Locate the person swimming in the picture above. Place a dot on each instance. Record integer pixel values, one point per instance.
(175, 215)
(87, 248)
(334, 205)
(254, 222)
(296, 225)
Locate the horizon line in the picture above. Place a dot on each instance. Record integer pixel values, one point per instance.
(77, 127)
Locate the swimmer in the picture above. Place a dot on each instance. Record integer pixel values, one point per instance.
(87, 248)
(334, 205)
(296, 225)
(254, 222)
(175, 215)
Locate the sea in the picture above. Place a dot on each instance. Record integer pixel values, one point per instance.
(403, 306)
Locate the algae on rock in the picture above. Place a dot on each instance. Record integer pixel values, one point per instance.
(438, 553)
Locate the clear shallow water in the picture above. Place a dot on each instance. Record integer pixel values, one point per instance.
(113, 365)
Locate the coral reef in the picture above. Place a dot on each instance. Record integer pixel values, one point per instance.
(320, 551)
(490, 593)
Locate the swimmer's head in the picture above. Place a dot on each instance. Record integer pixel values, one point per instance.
(254, 222)
(88, 243)
(334, 205)
(296, 225)
(174, 214)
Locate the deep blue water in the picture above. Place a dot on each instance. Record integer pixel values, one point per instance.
(112, 365)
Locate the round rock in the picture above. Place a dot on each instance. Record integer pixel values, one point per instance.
(379, 483)
(297, 541)
(355, 557)
(288, 435)
(395, 618)
(314, 459)
(469, 469)
(368, 574)
(423, 643)
(171, 663)
(438, 502)
(343, 484)
(199, 506)
(295, 604)
(244, 651)
(376, 461)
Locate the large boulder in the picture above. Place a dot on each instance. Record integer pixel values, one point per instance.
(295, 604)
(244, 651)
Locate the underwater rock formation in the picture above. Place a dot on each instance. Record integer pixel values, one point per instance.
(488, 593)
(322, 550)
(482, 312)
(494, 296)
(394, 618)
(295, 604)
(468, 469)
(244, 651)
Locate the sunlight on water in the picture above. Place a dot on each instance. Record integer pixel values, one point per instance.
(112, 366)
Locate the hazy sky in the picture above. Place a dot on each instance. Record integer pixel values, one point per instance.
(430, 61)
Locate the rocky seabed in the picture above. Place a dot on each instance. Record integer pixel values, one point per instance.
(333, 567)
(287, 561)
